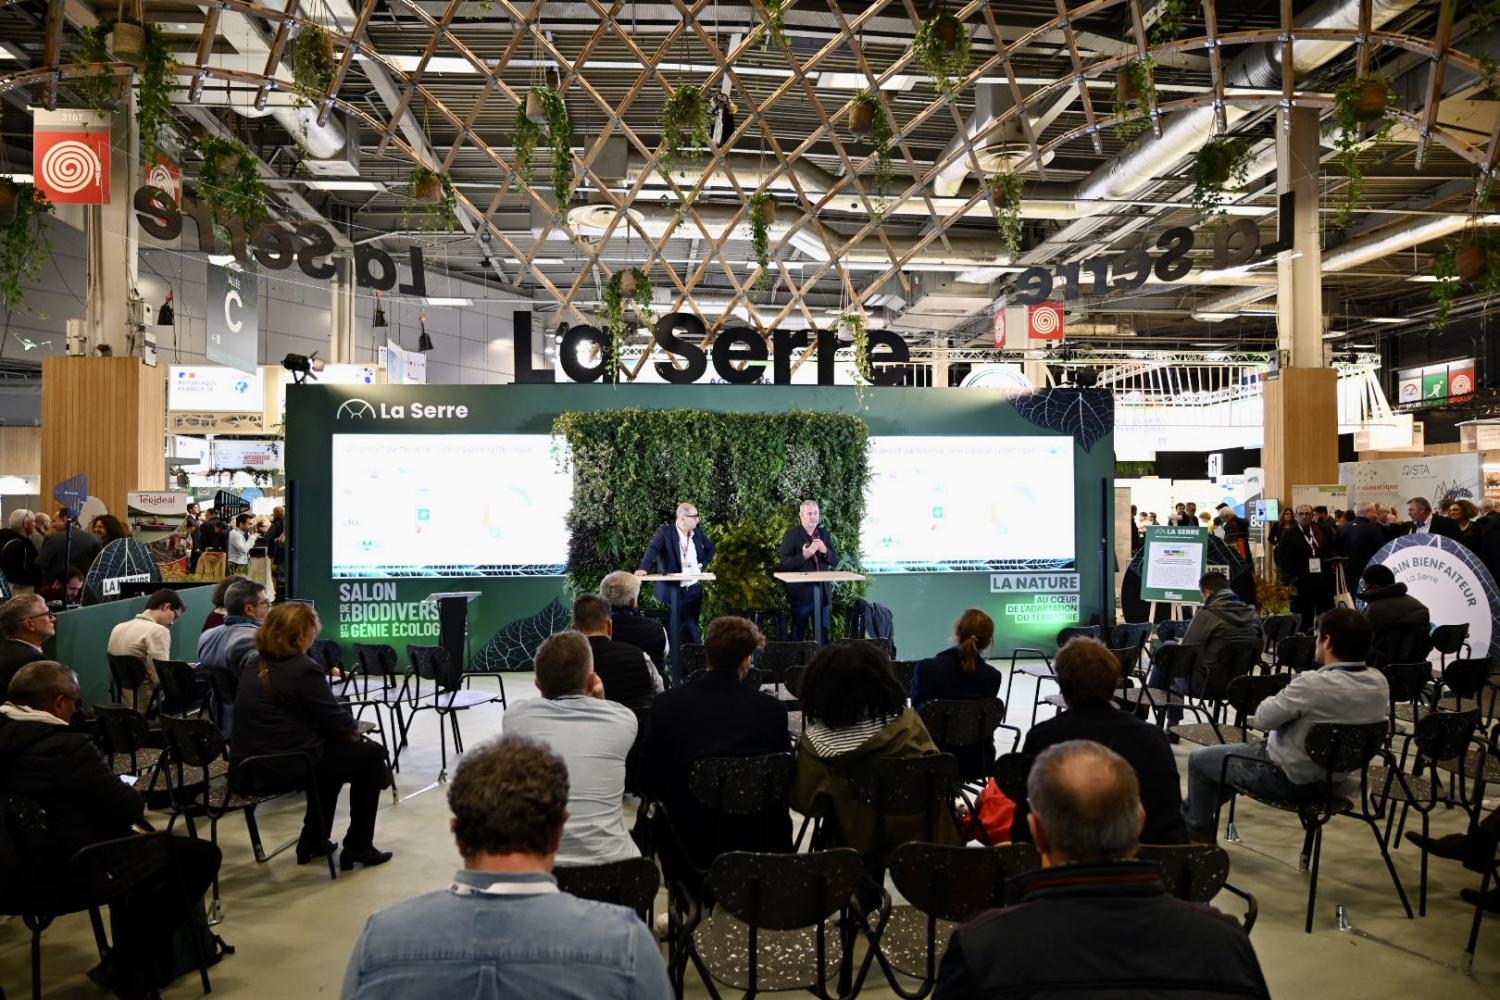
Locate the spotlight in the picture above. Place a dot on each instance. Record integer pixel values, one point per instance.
(562, 331)
(424, 342)
(302, 366)
(1085, 378)
(165, 315)
(379, 320)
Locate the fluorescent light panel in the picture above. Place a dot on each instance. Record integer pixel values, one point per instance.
(341, 185)
(440, 300)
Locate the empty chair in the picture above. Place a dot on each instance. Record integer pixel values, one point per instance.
(1130, 635)
(1195, 873)
(1276, 628)
(1043, 671)
(776, 657)
(181, 694)
(631, 882)
(1171, 663)
(1296, 653)
(1449, 640)
(128, 673)
(127, 740)
(693, 657)
(448, 696)
(1243, 695)
(881, 643)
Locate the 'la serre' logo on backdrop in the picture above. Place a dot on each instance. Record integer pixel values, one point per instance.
(360, 409)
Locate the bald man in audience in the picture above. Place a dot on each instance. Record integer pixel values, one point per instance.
(1092, 921)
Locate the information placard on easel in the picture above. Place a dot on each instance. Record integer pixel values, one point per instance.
(1174, 560)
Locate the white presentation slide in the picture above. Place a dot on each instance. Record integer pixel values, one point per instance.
(966, 504)
(449, 505)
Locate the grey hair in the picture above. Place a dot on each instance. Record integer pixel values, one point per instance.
(685, 508)
(1088, 801)
(41, 682)
(620, 588)
(1364, 508)
(14, 612)
(1485, 503)
(806, 504)
(18, 518)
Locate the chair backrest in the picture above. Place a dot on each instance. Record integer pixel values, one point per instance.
(776, 656)
(785, 891)
(632, 883)
(177, 680)
(1341, 748)
(1406, 680)
(1178, 659)
(1170, 630)
(1191, 872)
(1010, 774)
(112, 870)
(694, 658)
(1234, 660)
(957, 883)
(885, 646)
(376, 660)
(193, 742)
(792, 678)
(1445, 735)
(1130, 659)
(432, 663)
(958, 724)
(1278, 627)
(741, 786)
(904, 671)
(1449, 639)
(1135, 634)
(23, 839)
(1465, 678)
(1401, 645)
(1074, 631)
(905, 786)
(327, 654)
(123, 729)
(1297, 652)
(1244, 694)
(128, 671)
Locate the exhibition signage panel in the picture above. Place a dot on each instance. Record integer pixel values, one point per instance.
(233, 316)
(206, 387)
(163, 173)
(1393, 481)
(1330, 495)
(1451, 582)
(1433, 385)
(70, 156)
(1175, 559)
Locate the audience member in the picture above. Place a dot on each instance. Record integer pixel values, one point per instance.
(1092, 921)
(1222, 621)
(1236, 531)
(1465, 516)
(231, 646)
(25, 624)
(1341, 690)
(960, 670)
(241, 540)
(147, 637)
(593, 735)
(622, 590)
(1088, 674)
(56, 765)
(284, 705)
(855, 711)
(1391, 612)
(502, 928)
(69, 546)
(714, 715)
(625, 670)
(217, 615)
(41, 528)
(1359, 542)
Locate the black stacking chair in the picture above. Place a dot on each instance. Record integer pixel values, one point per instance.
(884, 645)
(943, 887)
(904, 670)
(347, 686)
(1448, 640)
(181, 693)
(1337, 749)
(1130, 635)
(631, 883)
(731, 788)
(1195, 873)
(966, 729)
(128, 742)
(1243, 695)
(128, 673)
(1296, 653)
(1211, 685)
(1010, 774)
(1407, 682)
(1043, 671)
(448, 695)
(694, 658)
(1174, 661)
(906, 786)
(1275, 628)
(1171, 631)
(375, 680)
(776, 657)
(1400, 645)
(783, 922)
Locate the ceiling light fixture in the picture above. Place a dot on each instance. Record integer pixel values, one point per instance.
(303, 366)
(441, 300)
(424, 342)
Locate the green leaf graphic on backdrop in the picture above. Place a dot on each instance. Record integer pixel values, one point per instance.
(512, 646)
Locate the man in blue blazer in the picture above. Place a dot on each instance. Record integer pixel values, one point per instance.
(682, 547)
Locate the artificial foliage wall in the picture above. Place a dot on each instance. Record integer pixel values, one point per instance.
(746, 473)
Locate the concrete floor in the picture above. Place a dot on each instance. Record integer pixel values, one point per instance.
(293, 927)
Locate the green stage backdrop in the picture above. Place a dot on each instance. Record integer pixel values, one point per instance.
(515, 613)
(83, 634)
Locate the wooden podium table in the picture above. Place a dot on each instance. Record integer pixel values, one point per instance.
(826, 576)
(675, 603)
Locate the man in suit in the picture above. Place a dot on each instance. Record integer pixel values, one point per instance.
(683, 547)
(1424, 521)
(626, 671)
(67, 546)
(714, 715)
(1302, 551)
(622, 591)
(1359, 542)
(808, 548)
(25, 623)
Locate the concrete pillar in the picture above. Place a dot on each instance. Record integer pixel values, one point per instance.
(340, 314)
(111, 238)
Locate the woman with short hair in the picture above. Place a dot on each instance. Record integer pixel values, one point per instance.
(287, 707)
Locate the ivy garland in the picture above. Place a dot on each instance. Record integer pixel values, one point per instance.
(229, 181)
(1171, 21)
(527, 134)
(154, 112)
(24, 243)
(613, 311)
(941, 48)
(685, 124)
(880, 138)
(1005, 190)
(1220, 166)
(856, 323)
(762, 208)
(1135, 96)
(1445, 290)
(771, 28)
(746, 472)
(1347, 141)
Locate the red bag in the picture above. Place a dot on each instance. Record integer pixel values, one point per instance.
(996, 815)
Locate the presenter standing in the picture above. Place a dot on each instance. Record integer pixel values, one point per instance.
(682, 547)
(807, 548)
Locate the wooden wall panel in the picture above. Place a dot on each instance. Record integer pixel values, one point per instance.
(1302, 435)
(20, 451)
(103, 417)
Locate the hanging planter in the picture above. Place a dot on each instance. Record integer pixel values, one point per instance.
(868, 105)
(1221, 165)
(10, 197)
(685, 124)
(862, 118)
(762, 214)
(536, 105)
(127, 42)
(527, 134)
(428, 187)
(1473, 261)
(1353, 101)
(628, 283)
(1135, 96)
(313, 63)
(941, 48)
(24, 245)
(229, 181)
(1005, 192)
(612, 309)
(1372, 95)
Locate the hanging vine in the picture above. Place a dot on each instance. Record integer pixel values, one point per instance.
(762, 211)
(428, 187)
(1357, 102)
(527, 134)
(1135, 96)
(685, 125)
(612, 310)
(1005, 192)
(868, 115)
(855, 323)
(229, 180)
(1220, 166)
(941, 48)
(771, 29)
(24, 243)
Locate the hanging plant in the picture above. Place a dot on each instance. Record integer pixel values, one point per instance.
(869, 112)
(229, 180)
(1473, 260)
(941, 48)
(1171, 21)
(771, 30)
(1357, 102)
(685, 123)
(616, 293)
(24, 244)
(1135, 96)
(1220, 166)
(762, 214)
(1005, 192)
(545, 103)
(428, 187)
(854, 322)
(141, 45)
(313, 64)
(102, 89)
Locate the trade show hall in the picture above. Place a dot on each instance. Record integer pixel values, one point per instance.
(709, 498)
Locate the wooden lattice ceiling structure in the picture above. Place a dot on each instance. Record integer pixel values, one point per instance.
(456, 71)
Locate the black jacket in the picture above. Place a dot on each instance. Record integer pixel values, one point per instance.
(18, 559)
(1143, 745)
(1099, 930)
(15, 654)
(713, 715)
(801, 594)
(662, 556)
(1389, 608)
(1440, 525)
(1293, 556)
(300, 714)
(645, 634)
(53, 562)
(60, 769)
(1358, 544)
(943, 677)
(624, 671)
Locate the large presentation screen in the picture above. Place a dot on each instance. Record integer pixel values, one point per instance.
(449, 505)
(969, 504)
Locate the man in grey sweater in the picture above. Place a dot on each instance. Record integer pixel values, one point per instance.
(1341, 690)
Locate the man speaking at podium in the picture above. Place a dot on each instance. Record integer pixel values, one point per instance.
(808, 548)
(680, 548)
